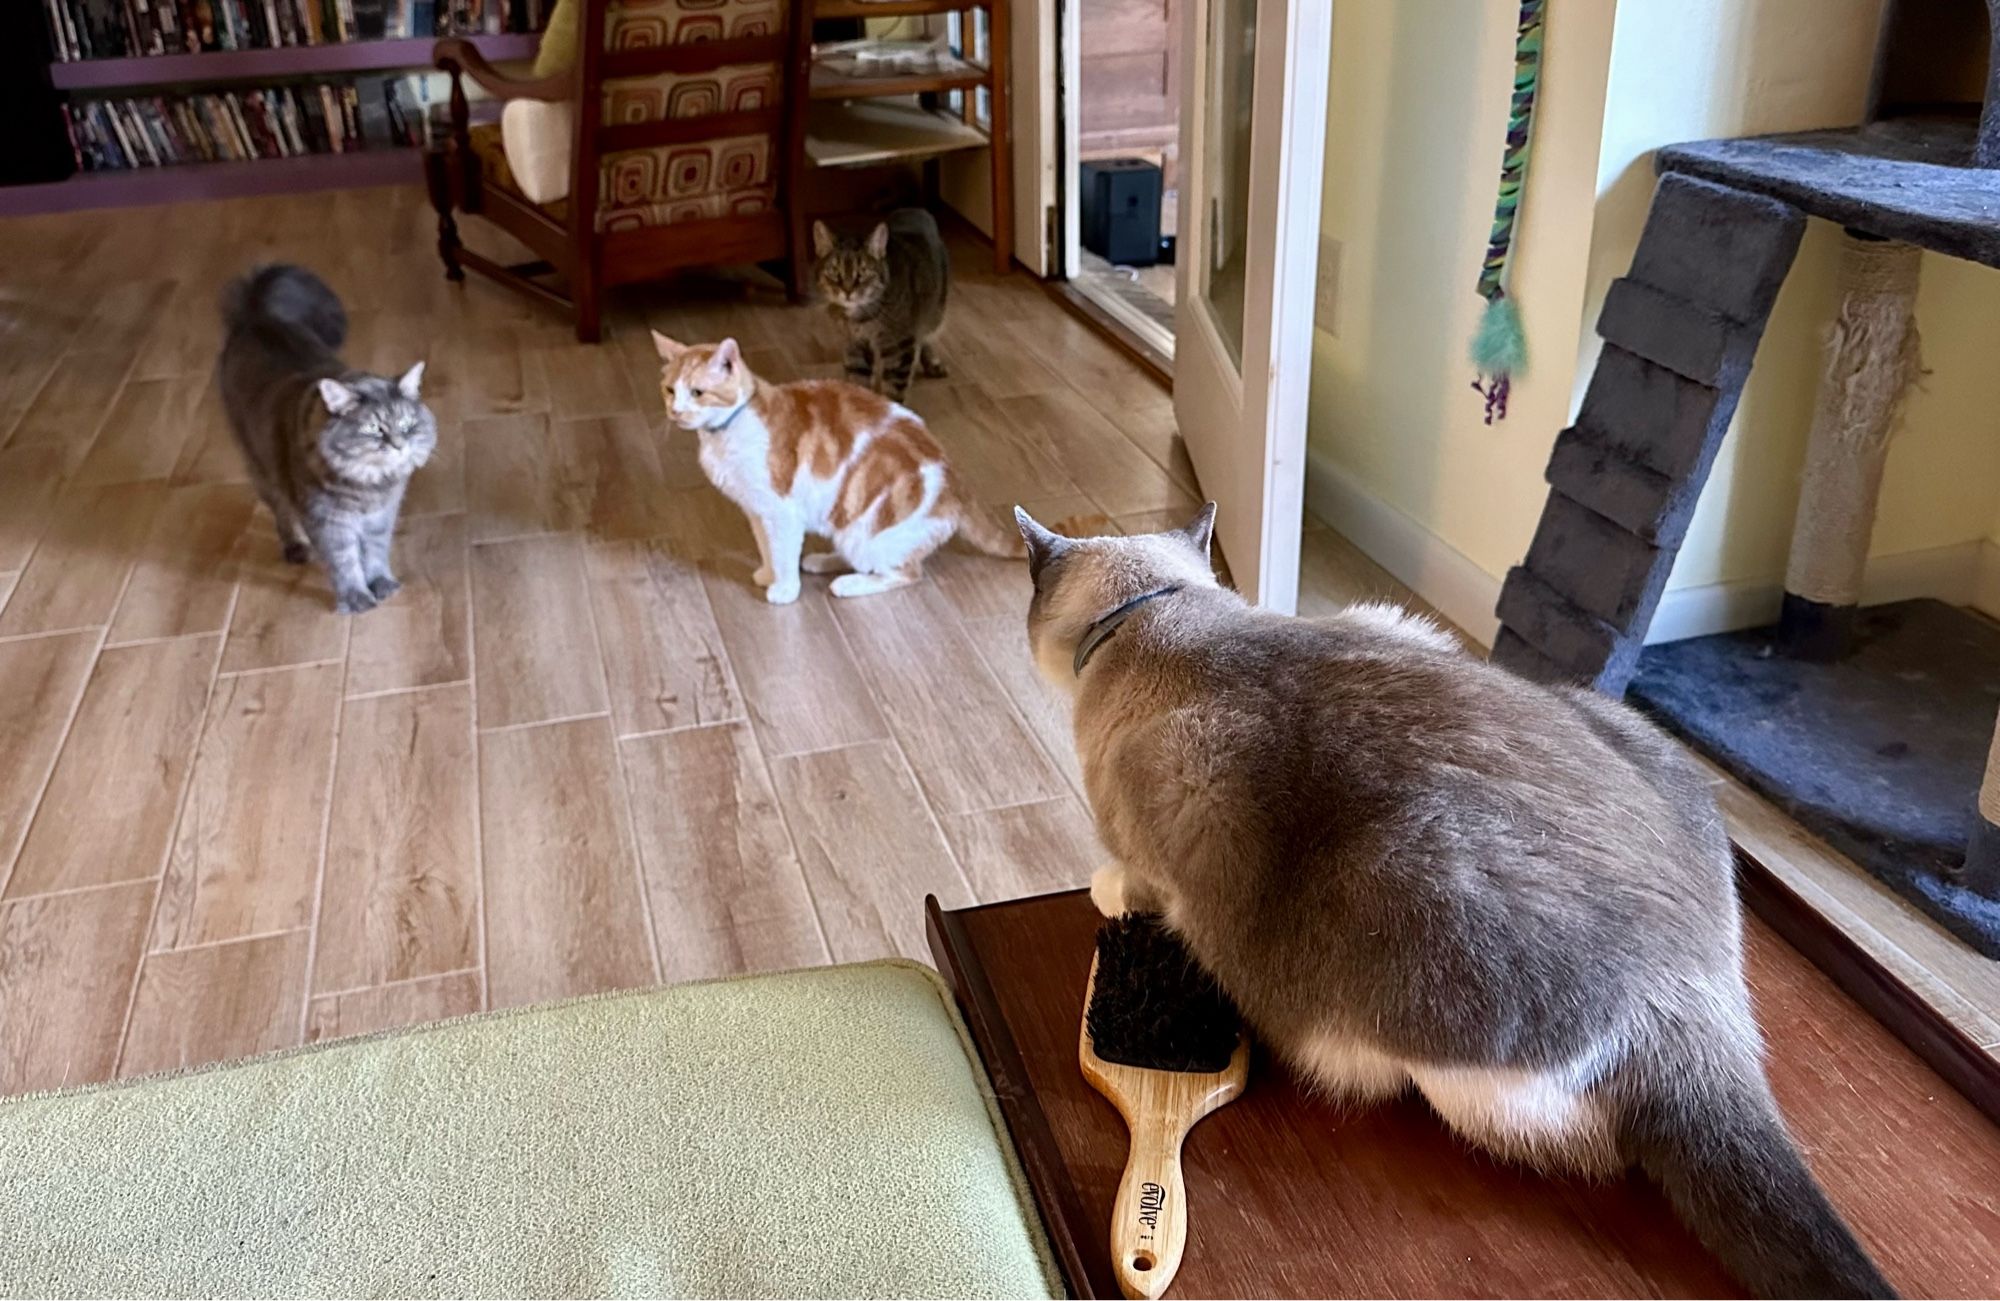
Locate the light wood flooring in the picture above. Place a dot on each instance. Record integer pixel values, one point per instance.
(578, 751)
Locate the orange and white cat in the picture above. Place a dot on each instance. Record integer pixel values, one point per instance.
(824, 457)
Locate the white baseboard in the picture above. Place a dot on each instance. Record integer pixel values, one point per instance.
(1420, 559)
(1965, 574)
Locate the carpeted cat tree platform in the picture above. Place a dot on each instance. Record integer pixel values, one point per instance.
(1874, 727)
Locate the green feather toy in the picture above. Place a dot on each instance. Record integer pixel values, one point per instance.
(1499, 347)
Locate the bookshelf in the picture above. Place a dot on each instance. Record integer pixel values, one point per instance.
(217, 69)
(870, 121)
(285, 61)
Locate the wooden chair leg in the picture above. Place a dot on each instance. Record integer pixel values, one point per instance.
(589, 327)
(437, 173)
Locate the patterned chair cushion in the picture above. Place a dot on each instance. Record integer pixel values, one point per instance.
(642, 24)
(661, 185)
(686, 182)
(664, 184)
(735, 88)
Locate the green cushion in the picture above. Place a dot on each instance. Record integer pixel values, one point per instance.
(559, 40)
(815, 1133)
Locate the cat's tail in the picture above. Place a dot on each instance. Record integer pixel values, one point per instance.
(287, 295)
(982, 533)
(1711, 1137)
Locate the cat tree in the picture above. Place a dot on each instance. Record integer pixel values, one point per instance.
(1873, 726)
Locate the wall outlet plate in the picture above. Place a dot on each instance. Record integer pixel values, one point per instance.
(1326, 294)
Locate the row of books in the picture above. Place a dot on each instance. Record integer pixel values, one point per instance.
(117, 29)
(325, 117)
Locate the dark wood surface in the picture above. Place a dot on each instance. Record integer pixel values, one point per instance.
(1925, 1030)
(1292, 1196)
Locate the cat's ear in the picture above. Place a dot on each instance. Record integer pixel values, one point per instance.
(339, 398)
(727, 354)
(1043, 546)
(1198, 531)
(667, 348)
(822, 239)
(412, 382)
(878, 240)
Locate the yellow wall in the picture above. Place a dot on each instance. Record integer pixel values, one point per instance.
(1416, 119)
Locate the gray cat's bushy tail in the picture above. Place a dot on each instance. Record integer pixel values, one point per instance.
(1714, 1142)
(285, 295)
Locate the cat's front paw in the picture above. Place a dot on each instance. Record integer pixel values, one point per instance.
(782, 593)
(1107, 890)
(763, 577)
(383, 586)
(355, 602)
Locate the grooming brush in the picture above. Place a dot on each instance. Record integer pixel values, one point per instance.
(1164, 1043)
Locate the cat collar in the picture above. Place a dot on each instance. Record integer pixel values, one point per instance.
(1100, 632)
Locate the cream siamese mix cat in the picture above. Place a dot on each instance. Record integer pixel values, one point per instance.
(1413, 870)
(824, 457)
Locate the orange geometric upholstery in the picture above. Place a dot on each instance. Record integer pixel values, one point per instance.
(664, 184)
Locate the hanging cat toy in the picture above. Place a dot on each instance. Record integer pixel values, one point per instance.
(1499, 347)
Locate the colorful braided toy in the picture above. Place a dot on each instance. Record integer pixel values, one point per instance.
(1499, 348)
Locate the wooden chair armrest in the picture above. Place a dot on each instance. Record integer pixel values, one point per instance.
(455, 56)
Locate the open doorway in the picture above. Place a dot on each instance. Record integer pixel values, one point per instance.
(1124, 137)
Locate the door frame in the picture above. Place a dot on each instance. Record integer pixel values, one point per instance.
(1292, 60)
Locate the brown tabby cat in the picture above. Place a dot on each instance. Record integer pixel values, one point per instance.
(890, 289)
(1413, 870)
(822, 457)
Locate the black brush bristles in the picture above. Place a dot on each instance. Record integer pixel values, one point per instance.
(1152, 1006)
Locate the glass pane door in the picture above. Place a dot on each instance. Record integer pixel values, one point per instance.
(1230, 82)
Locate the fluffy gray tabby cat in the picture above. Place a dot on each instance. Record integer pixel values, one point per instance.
(890, 288)
(1412, 869)
(330, 449)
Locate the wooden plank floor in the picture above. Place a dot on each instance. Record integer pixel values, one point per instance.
(578, 751)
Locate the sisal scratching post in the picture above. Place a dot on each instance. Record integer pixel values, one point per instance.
(1982, 848)
(1871, 361)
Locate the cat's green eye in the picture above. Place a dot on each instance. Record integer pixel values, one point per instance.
(695, 393)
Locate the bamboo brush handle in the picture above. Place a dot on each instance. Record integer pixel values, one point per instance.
(1149, 1220)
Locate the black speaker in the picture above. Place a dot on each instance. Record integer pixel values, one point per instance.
(1121, 210)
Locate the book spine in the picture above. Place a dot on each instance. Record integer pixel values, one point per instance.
(160, 119)
(149, 131)
(300, 107)
(186, 137)
(135, 131)
(239, 129)
(156, 127)
(288, 106)
(218, 131)
(99, 141)
(271, 135)
(260, 128)
(58, 41)
(274, 123)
